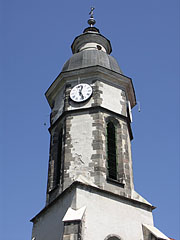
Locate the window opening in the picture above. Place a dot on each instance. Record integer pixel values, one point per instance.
(113, 238)
(99, 47)
(111, 151)
(59, 158)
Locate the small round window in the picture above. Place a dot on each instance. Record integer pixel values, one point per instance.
(99, 47)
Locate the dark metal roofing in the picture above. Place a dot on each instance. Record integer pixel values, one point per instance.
(89, 58)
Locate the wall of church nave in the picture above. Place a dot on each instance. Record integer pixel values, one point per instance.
(48, 225)
(107, 214)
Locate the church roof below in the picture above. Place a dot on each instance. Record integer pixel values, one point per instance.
(156, 232)
(91, 58)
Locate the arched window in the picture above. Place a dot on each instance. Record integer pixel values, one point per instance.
(111, 151)
(112, 237)
(59, 158)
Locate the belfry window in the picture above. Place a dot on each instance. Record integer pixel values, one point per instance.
(111, 151)
(59, 158)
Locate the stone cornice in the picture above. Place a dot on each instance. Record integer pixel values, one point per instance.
(92, 110)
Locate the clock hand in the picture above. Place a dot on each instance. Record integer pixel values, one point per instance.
(80, 93)
(80, 88)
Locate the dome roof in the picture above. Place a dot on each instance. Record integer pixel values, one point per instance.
(89, 58)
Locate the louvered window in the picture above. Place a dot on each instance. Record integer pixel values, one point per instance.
(59, 158)
(111, 151)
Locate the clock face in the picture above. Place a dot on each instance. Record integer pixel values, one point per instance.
(81, 92)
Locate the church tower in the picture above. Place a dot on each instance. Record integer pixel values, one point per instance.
(90, 191)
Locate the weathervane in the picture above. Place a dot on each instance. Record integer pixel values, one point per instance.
(91, 20)
(91, 12)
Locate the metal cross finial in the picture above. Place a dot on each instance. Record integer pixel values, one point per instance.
(91, 12)
(91, 20)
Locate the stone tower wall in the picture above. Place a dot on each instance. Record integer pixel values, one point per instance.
(84, 143)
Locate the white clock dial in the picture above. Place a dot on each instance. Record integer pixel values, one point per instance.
(81, 92)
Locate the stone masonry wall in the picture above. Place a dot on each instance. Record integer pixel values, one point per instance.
(84, 139)
(86, 154)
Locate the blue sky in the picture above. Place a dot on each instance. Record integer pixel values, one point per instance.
(35, 43)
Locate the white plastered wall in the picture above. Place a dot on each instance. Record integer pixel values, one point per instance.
(112, 98)
(49, 225)
(81, 139)
(105, 216)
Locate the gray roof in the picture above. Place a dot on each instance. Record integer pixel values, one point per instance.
(89, 58)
